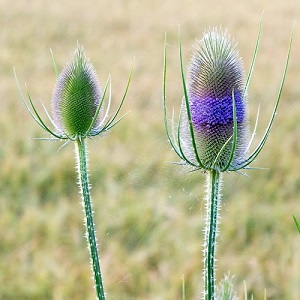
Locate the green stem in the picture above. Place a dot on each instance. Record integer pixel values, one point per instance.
(89, 223)
(212, 208)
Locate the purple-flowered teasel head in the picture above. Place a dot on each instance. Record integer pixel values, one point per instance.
(212, 132)
(215, 80)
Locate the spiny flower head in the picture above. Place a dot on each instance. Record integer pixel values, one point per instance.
(76, 97)
(213, 129)
(215, 81)
(77, 101)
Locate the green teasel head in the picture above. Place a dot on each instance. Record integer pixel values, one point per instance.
(76, 97)
(212, 132)
(77, 103)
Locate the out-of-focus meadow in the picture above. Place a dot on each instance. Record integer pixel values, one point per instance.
(149, 214)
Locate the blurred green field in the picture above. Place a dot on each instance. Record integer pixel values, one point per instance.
(149, 214)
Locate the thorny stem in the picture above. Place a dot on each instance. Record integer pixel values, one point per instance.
(212, 208)
(88, 220)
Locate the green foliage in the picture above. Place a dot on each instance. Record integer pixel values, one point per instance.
(225, 289)
(297, 224)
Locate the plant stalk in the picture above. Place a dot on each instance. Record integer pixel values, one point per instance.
(212, 208)
(88, 219)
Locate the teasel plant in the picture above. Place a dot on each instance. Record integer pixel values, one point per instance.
(212, 133)
(79, 113)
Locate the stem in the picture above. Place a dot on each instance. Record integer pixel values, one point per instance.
(212, 208)
(88, 219)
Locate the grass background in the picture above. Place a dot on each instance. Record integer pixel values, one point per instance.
(149, 214)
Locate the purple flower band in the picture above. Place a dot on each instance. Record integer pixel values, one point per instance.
(213, 111)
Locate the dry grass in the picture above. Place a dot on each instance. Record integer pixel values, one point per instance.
(149, 215)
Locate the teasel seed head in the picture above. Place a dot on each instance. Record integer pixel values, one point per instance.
(77, 102)
(215, 80)
(212, 132)
(76, 97)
